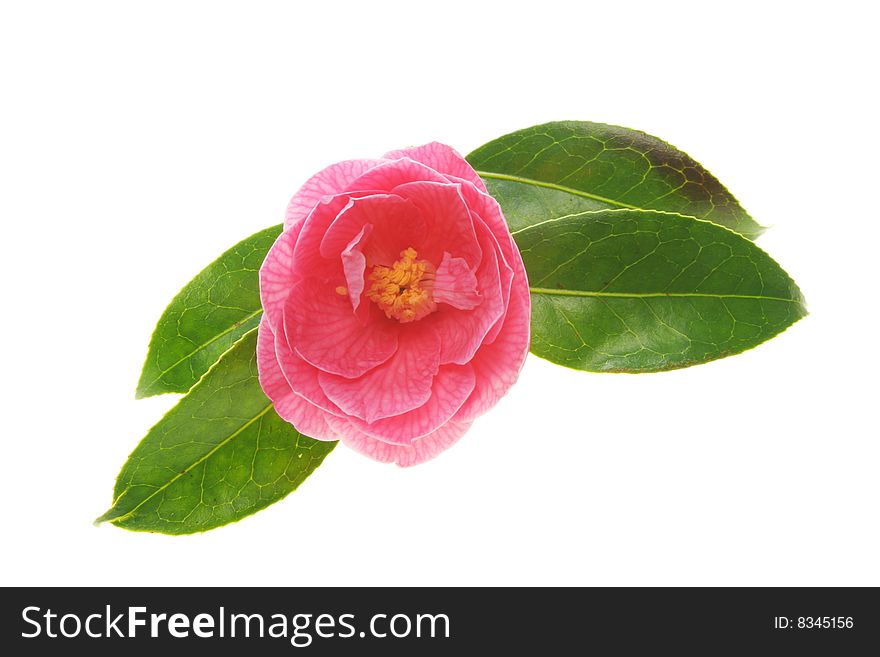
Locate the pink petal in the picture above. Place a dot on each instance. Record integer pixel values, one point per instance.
(391, 173)
(447, 219)
(497, 365)
(272, 381)
(450, 389)
(455, 284)
(334, 179)
(354, 264)
(442, 158)
(301, 376)
(400, 384)
(277, 275)
(396, 225)
(506, 273)
(353, 217)
(323, 329)
(307, 258)
(462, 331)
(307, 418)
(489, 212)
(421, 450)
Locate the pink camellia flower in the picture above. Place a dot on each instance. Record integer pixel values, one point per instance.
(396, 305)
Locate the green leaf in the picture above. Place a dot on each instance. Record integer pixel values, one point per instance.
(567, 167)
(645, 291)
(208, 315)
(221, 454)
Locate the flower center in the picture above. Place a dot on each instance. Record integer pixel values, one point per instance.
(403, 290)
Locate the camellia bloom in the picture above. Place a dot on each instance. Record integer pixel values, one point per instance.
(396, 305)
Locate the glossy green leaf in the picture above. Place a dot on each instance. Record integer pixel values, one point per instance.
(567, 167)
(222, 453)
(644, 291)
(208, 315)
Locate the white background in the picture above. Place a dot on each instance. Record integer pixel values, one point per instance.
(139, 140)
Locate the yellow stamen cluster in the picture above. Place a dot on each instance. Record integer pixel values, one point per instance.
(403, 290)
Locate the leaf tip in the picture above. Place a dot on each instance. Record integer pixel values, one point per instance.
(111, 515)
(759, 230)
(145, 386)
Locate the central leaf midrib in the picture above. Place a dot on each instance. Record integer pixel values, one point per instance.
(641, 295)
(203, 346)
(559, 188)
(196, 463)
